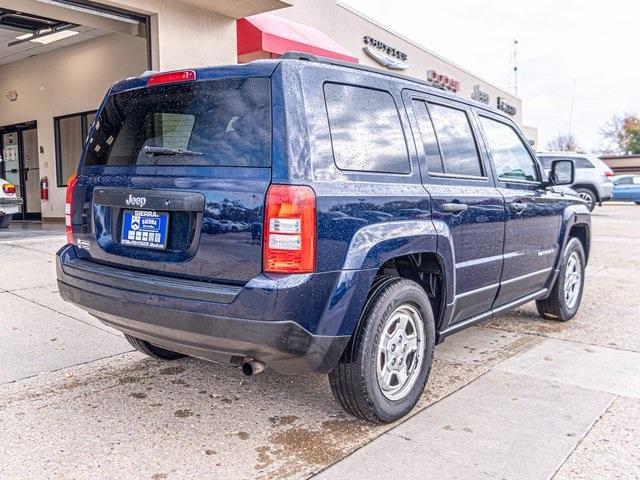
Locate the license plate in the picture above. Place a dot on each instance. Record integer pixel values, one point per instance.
(145, 228)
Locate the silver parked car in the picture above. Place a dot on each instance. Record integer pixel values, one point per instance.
(9, 203)
(593, 180)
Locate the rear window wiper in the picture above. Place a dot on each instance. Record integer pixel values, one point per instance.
(149, 150)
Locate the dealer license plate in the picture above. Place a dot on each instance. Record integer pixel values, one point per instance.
(145, 228)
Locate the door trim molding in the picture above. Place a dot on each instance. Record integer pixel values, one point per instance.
(524, 277)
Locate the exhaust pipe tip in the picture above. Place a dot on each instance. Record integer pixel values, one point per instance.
(252, 367)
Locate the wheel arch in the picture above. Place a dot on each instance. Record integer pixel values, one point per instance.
(427, 270)
(419, 250)
(576, 222)
(582, 232)
(588, 186)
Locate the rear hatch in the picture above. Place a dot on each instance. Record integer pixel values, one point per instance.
(174, 177)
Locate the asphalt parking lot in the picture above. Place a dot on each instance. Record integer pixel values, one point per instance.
(516, 398)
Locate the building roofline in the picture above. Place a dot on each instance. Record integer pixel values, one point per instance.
(411, 82)
(358, 13)
(560, 153)
(619, 157)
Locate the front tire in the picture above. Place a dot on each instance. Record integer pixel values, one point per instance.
(382, 373)
(563, 302)
(152, 350)
(588, 196)
(5, 221)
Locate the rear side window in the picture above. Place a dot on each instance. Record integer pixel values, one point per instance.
(217, 122)
(582, 163)
(625, 181)
(366, 133)
(579, 162)
(628, 181)
(547, 161)
(510, 157)
(457, 144)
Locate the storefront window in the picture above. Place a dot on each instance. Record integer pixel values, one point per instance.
(71, 132)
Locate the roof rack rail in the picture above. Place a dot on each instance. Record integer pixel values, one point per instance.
(309, 57)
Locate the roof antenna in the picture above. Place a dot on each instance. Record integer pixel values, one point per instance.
(515, 65)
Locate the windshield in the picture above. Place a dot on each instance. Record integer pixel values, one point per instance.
(209, 123)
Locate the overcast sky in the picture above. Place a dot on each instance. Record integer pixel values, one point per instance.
(595, 43)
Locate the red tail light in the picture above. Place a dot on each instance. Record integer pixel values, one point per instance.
(289, 240)
(9, 188)
(68, 208)
(608, 173)
(171, 77)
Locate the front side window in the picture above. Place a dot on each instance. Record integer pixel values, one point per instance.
(366, 133)
(457, 144)
(510, 157)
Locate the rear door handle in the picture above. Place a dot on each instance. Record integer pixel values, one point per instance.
(454, 207)
(517, 207)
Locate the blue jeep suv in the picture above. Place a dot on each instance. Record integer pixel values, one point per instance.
(314, 216)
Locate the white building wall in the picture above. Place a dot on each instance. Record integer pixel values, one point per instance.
(183, 35)
(65, 81)
(348, 28)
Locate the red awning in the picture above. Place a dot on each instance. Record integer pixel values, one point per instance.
(268, 33)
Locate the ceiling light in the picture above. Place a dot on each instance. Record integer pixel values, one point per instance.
(47, 38)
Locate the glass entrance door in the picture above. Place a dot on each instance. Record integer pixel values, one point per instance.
(20, 166)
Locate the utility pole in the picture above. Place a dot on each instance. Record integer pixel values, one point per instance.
(515, 65)
(573, 101)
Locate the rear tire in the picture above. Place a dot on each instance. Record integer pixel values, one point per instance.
(564, 301)
(394, 340)
(588, 196)
(152, 350)
(5, 221)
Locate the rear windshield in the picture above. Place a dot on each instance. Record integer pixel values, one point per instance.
(207, 123)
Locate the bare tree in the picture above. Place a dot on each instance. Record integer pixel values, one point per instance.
(622, 134)
(563, 142)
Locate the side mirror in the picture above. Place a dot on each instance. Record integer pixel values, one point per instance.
(562, 172)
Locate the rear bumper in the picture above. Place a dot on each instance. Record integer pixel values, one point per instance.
(176, 317)
(9, 206)
(606, 191)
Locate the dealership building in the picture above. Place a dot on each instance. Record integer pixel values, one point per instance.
(59, 57)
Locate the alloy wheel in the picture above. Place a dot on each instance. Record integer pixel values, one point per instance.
(399, 354)
(572, 280)
(587, 197)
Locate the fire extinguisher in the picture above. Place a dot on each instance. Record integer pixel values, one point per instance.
(44, 188)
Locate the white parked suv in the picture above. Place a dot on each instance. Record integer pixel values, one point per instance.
(593, 179)
(9, 203)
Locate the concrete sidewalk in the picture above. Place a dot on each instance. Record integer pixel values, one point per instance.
(522, 419)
